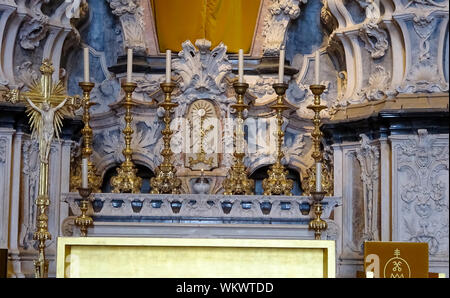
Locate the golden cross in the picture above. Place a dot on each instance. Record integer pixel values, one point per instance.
(45, 90)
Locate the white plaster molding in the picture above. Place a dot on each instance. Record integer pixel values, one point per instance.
(370, 29)
(378, 86)
(5, 187)
(131, 17)
(421, 191)
(368, 156)
(35, 29)
(281, 12)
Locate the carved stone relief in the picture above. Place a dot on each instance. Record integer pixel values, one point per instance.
(281, 12)
(422, 190)
(131, 17)
(368, 156)
(378, 86)
(375, 38)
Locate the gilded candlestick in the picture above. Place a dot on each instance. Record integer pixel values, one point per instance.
(165, 181)
(318, 224)
(277, 183)
(126, 179)
(237, 182)
(95, 180)
(84, 221)
(309, 183)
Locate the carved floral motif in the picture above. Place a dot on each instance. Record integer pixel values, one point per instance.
(423, 162)
(375, 38)
(281, 12)
(132, 19)
(378, 85)
(202, 69)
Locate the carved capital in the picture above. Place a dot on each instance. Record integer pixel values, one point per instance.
(281, 12)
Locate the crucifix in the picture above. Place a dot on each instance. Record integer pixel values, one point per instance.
(47, 106)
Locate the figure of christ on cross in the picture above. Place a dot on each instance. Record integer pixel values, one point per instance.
(46, 126)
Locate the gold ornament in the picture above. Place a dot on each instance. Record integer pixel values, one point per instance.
(165, 181)
(126, 179)
(277, 183)
(237, 182)
(309, 180)
(317, 224)
(47, 106)
(84, 221)
(94, 180)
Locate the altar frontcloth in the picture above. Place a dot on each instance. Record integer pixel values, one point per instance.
(96, 257)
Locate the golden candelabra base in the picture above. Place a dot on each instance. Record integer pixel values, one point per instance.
(84, 221)
(277, 183)
(126, 179)
(95, 181)
(309, 180)
(165, 180)
(318, 224)
(237, 182)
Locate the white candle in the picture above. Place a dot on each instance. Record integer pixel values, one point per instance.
(318, 176)
(241, 66)
(281, 67)
(129, 64)
(84, 173)
(86, 64)
(317, 66)
(168, 66)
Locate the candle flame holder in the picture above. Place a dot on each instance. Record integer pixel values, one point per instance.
(84, 221)
(165, 180)
(237, 182)
(126, 179)
(94, 180)
(277, 183)
(317, 224)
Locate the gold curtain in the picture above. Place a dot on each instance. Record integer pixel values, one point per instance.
(229, 21)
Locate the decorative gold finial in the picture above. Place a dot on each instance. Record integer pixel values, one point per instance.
(277, 183)
(237, 182)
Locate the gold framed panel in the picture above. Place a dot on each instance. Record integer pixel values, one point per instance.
(96, 257)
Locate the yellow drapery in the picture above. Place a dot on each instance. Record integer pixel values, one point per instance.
(229, 21)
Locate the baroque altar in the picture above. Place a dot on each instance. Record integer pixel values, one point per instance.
(384, 147)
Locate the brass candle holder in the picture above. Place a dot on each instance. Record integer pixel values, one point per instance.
(165, 181)
(237, 182)
(84, 221)
(277, 183)
(126, 179)
(317, 224)
(94, 180)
